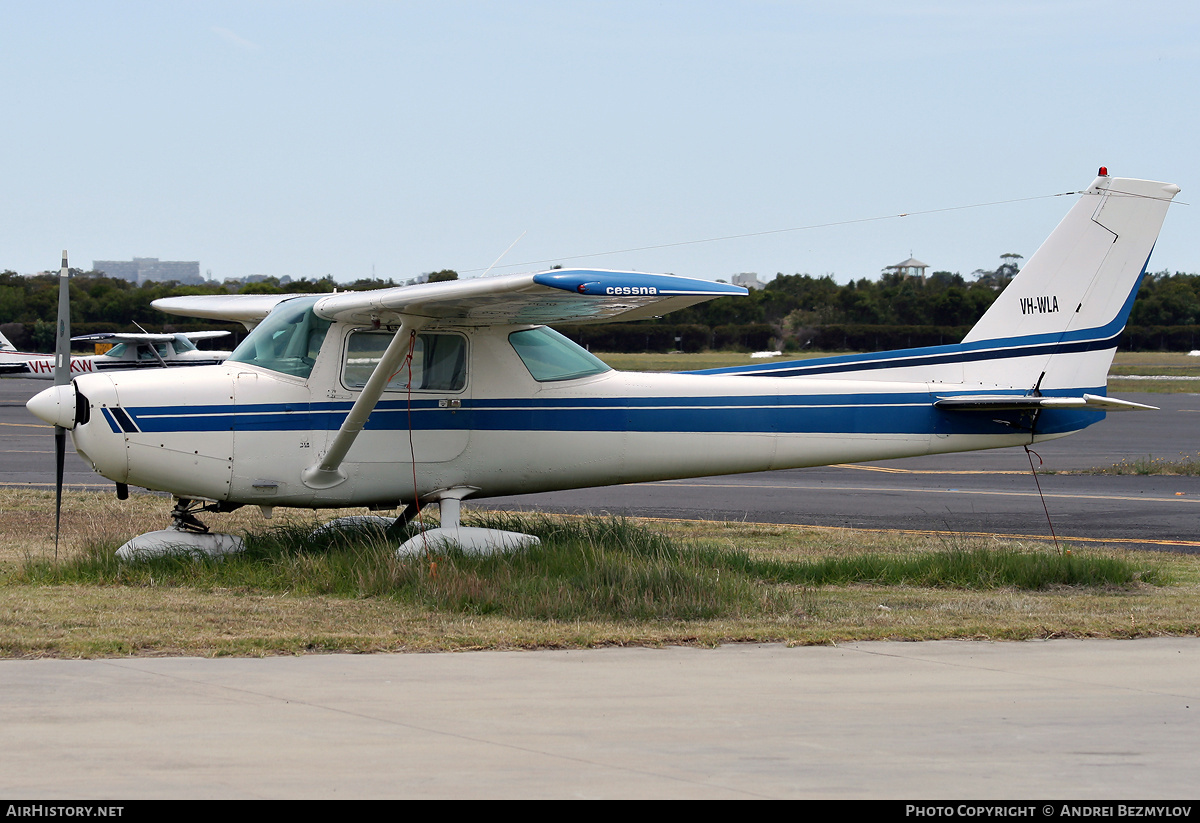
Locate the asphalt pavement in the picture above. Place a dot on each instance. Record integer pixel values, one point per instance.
(1066, 719)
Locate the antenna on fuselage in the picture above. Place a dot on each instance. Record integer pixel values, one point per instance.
(506, 251)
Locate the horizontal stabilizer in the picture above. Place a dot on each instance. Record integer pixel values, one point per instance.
(1003, 402)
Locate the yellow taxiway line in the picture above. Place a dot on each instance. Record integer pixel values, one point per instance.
(1142, 498)
(890, 470)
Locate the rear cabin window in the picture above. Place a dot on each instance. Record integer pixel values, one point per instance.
(549, 356)
(439, 361)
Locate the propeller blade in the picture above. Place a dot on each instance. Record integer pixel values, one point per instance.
(60, 451)
(62, 344)
(62, 376)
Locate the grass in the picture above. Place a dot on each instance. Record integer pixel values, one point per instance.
(1155, 362)
(1187, 465)
(585, 568)
(593, 582)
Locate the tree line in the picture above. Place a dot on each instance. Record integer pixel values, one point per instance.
(799, 311)
(793, 311)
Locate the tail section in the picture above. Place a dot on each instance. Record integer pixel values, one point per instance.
(1055, 327)
(1057, 323)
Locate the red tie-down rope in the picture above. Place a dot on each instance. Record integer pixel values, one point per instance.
(406, 366)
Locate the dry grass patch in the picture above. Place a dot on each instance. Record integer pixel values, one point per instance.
(1186, 465)
(1155, 362)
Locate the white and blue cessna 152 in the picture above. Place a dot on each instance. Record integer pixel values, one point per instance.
(442, 391)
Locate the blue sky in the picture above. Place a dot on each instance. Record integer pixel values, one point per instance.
(345, 138)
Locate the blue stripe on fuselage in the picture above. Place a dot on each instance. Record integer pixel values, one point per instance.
(899, 413)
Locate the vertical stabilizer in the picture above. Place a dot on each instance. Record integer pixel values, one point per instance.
(1069, 305)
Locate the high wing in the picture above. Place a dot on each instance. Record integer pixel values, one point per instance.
(558, 296)
(561, 296)
(247, 309)
(145, 337)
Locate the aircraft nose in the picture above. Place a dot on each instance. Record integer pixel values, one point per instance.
(99, 437)
(55, 405)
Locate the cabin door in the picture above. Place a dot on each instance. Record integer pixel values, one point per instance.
(424, 412)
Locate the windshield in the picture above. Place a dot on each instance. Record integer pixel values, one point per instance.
(550, 356)
(287, 341)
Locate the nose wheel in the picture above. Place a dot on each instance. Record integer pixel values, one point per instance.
(183, 516)
(186, 536)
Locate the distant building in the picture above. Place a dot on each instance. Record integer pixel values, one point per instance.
(263, 278)
(748, 280)
(151, 270)
(912, 267)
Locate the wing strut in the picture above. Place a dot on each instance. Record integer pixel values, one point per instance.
(328, 473)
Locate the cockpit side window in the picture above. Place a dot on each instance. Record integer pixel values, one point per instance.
(287, 341)
(439, 361)
(145, 352)
(549, 356)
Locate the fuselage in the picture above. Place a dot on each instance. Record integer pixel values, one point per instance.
(438, 391)
(500, 416)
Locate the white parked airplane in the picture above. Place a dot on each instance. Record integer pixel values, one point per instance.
(132, 350)
(443, 391)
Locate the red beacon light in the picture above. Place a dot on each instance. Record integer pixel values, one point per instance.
(1103, 171)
